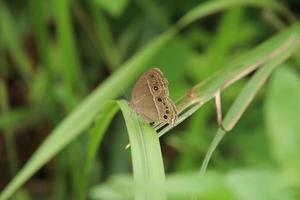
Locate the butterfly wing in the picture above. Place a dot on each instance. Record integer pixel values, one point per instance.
(150, 98)
(146, 108)
(167, 110)
(152, 79)
(142, 100)
(159, 85)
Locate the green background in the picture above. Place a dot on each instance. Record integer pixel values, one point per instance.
(54, 54)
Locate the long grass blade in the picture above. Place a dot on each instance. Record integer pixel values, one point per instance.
(246, 97)
(12, 42)
(237, 69)
(72, 72)
(96, 135)
(145, 151)
(10, 141)
(177, 186)
(216, 6)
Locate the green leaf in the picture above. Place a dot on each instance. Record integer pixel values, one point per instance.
(206, 90)
(245, 184)
(104, 39)
(282, 118)
(145, 151)
(70, 65)
(13, 43)
(193, 186)
(246, 97)
(96, 135)
(13, 119)
(259, 185)
(178, 186)
(113, 7)
(215, 6)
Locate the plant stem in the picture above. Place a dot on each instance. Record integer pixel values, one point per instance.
(206, 90)
(8, 133)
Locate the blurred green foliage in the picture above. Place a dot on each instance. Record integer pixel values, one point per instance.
(53, 54)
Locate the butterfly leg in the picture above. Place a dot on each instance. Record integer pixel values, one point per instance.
(219, 111)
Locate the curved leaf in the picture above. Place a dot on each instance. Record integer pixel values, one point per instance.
(146, 154)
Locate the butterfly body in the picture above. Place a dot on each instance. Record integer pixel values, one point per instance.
(150, 98)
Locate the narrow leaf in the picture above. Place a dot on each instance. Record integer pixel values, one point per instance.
(282, 118)
(96, 135)
(246, 97)
(145, 151)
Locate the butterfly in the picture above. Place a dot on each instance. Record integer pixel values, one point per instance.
(150, 98)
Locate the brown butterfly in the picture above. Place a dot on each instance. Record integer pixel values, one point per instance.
(150, 98)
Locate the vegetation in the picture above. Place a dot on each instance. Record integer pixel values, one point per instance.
(67, 69)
